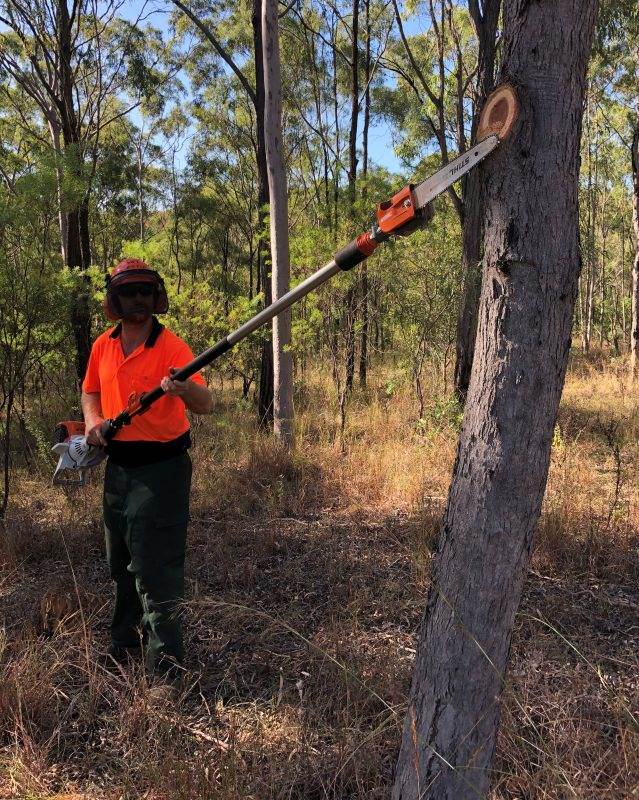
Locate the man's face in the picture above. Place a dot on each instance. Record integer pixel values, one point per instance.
(137, 301)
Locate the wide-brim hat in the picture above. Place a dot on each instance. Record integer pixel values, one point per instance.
(133, 270)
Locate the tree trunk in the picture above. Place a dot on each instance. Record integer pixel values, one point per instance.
(532, 264)
(53, 124)
(280, 259)
(6, 455)
(78, 248)
(624, 321)
(363, 349)
(486, 28)
(602, 288)
(140, 183)
(351, 295)
(591, 214)
(335, 98)
(634, 337)
(265, 397)
(352, 134)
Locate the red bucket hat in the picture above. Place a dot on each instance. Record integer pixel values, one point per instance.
(132, 270)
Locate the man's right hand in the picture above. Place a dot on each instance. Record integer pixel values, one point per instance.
(94, 435)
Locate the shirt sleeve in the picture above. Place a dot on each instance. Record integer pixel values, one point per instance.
(91, 382)
(182, 356)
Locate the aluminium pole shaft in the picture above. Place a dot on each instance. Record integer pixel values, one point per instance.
(291, 297)
(322, 275)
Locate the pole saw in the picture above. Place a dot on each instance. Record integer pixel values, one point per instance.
(408, 210)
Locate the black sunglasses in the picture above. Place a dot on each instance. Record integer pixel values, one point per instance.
(132, 289)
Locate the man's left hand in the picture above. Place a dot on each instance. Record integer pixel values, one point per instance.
(175, 388)
(196, 398)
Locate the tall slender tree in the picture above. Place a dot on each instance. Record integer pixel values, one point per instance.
(280, 258)
(485, 17)
(531, 268)
(255, 93)
(634, 339)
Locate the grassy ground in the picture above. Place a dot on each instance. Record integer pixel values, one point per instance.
(307, 577)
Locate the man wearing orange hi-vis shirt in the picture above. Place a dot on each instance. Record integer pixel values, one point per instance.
(148, 473)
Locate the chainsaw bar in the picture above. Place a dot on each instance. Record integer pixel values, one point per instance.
(428, 190)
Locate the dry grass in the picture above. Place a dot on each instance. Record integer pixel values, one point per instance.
(307, 577)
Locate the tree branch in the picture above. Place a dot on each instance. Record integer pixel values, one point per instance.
(432, 97)
(221, 51)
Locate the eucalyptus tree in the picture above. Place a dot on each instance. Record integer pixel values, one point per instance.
(531, 269)
(234, 32)
(280, 254)
(618, 50)
(448, 70)
(71, 57)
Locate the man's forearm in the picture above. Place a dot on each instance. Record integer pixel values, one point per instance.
(198, 398)
(91, 409)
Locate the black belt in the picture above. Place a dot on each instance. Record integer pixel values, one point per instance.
(137, 454)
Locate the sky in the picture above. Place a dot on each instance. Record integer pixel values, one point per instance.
(380, 144)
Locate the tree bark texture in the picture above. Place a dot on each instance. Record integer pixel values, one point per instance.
(485, 21)
(531, 268)
(634, 338)
(280, 257)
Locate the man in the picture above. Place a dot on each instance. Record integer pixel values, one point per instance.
(148, 472)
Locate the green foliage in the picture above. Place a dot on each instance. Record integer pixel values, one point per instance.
(175, 181)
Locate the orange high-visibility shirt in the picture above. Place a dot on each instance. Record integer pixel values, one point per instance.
(116, 377)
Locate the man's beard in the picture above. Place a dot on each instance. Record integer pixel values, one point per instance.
(138, 314)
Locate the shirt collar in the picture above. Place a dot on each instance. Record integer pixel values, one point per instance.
(156, 330)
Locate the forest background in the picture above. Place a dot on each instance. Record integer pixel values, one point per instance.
(137, 135)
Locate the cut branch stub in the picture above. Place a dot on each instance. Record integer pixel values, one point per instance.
(499, 114)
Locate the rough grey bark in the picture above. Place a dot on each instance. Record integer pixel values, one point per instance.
(280, 258)
(634, 338)
(531, 268)
(485, 19)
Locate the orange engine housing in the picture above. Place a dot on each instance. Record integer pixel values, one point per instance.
(67, 428)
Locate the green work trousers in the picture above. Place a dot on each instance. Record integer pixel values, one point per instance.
(146, 511)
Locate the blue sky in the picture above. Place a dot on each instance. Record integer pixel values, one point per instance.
(380, 145)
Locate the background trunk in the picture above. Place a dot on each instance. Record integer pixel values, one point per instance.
(78, 249)
(485, 22)
(351, 295)
(532, 263)
(363, 350)
(634, 338)
(265, 397)
(282, 357)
